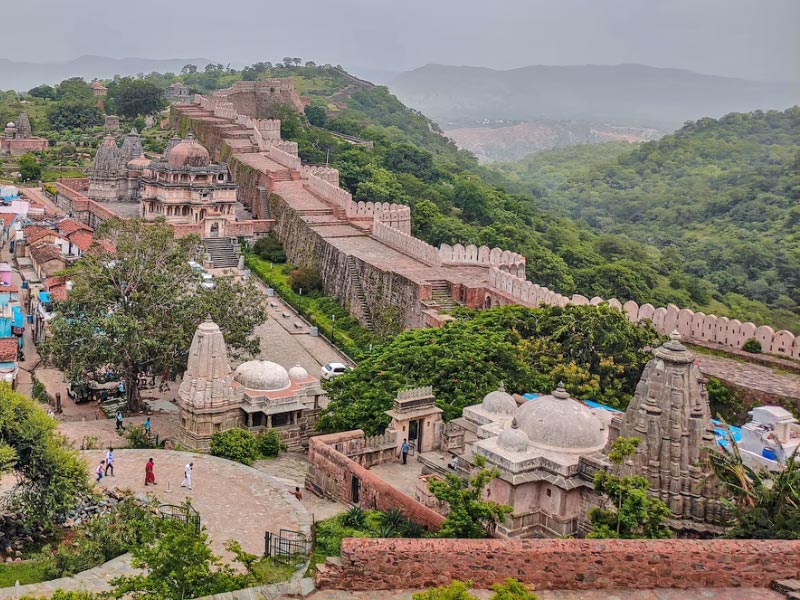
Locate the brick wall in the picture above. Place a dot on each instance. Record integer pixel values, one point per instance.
(331, 474)
(375, 564)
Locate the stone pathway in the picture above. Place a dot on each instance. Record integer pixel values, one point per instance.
(92, 580)
(751, 375)
(657, 594)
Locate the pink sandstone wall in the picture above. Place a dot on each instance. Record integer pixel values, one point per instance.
(331, 474)
(379, 564)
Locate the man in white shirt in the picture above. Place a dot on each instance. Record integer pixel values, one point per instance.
(109, 462)
(187, 476)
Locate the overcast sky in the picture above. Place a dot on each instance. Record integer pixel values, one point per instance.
(756, 39)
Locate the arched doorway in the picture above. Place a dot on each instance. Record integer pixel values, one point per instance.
(214, 231)
(488, 302)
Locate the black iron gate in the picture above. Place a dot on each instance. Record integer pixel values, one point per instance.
(184, 513)
(286, 547)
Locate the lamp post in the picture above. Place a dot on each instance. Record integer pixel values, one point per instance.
(333, 329)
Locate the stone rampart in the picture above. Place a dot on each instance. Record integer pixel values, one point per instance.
(83, 208)
(729, 333)
(382, 564)
(405, 243)
(333, 475)
(483, 256)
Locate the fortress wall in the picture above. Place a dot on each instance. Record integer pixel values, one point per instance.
(472, 255)
(546, 564)
(406, 243)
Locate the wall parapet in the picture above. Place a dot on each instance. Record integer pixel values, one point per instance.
(405, 243)
(335, 475)
(547, 564)
(483, 256)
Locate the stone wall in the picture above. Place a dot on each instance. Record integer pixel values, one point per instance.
(470, 254)
(729, 333)
(406, 243)
(376, 564)
(331, 474)
(84, 209)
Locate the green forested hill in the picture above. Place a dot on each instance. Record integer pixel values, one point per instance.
(720, 198)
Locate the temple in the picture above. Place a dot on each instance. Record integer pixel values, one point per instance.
(259, 395)
(19, 138)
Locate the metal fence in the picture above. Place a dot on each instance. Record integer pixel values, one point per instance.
(287, 546)
(185, 513)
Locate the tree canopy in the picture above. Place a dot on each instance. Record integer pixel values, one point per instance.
(139, 306)
(133, 97)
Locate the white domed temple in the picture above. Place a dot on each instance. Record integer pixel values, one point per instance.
(259, 395)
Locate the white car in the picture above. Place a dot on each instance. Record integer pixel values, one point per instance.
(331, 370)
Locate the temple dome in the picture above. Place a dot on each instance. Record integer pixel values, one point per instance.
(499, 402)
(262, 375)
(108, 157)
(132, 145)
(513, 439)
(188, 153)
(10, 125)
(557, 422)
(298, 373)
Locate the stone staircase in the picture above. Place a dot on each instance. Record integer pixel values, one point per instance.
(222, 252)
(281, 175)
(361, 297)
(440, 294)
(788, 587)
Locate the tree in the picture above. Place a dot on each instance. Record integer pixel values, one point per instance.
(76, 90)
(636, 514)
(270, 248)
(297, 61)
(310, 63)
(29, 168)
(316, 115)
(469, 515)
(50, 475)
(74, 115)
(44, 91)
(133, 97)
(139, 306)
(178, 566)
(188, 69)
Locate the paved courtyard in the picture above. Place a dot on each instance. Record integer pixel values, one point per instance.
(234, 501)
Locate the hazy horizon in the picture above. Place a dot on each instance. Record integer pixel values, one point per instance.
(748, 39)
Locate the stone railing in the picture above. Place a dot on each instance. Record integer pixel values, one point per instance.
(483, 256)
(548, 564)
(730, 333)
(405, 243)
(329, 192)
(269, 129)
(282, 157)
(325, 173)
(333, 474)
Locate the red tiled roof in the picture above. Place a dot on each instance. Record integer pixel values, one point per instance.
(8, 218)
(55, 281)
(58, 293)
(9, 289)
(41, 253)
(69, 226)
(82, 239)
(8, 349)
(106, 246)
(35, 233)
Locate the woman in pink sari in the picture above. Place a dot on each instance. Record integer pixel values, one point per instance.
(149, 473)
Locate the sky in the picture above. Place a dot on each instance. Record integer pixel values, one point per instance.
(753, 39)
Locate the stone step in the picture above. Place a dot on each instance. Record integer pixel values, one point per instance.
(785, 586)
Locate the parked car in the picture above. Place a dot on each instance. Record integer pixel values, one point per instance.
(331, 370)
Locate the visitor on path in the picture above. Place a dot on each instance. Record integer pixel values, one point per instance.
(99, 470)
(297, 493)
(149, 473)
(404, 450)
(453, 463)
(120, 426)
(147, 426)
(187, 476)
(110, 461)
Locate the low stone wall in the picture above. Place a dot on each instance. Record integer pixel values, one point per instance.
(407, 244)
(331, 474)
(483, 256)
(380, 564)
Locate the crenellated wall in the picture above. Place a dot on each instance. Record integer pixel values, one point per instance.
(406, 243)
(484, 256)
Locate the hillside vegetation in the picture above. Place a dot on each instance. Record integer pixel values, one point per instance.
(718, 197)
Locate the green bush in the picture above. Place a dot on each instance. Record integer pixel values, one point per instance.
(235, 444)
(269, 248)
(306, 279)
(752, 345)
(355, 517)
(137, 438)
(457, 590)
(269, 444)
(512, 590)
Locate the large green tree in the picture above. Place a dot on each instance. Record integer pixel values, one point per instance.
(140, 305)
(133, 97)
(29, 168)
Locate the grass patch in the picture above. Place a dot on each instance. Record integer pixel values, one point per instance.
(32, 571)
(268, 571)
(350, 335)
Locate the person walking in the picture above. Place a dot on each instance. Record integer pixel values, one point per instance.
(187, 476)
(109, 461)
(120, 426)
(404, 449)
(99, 471)
(147, 426)
(149, 473)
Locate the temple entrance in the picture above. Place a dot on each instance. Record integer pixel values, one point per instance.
(355, 489)
(415, 433)
(214, 231)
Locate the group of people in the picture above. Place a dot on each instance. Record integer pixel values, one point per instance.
(119, 420)
(107, 464)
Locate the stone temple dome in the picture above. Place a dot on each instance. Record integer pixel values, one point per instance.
(10, 125)
(513, 439)
(132, 145)
(298, 373)
(559, 423)
(499, 402)
(189, 153)
(108, 157)
(262, 375)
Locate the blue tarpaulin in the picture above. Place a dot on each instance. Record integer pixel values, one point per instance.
(44, 297)
(19, 318)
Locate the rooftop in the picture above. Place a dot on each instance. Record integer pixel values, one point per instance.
(8, 349)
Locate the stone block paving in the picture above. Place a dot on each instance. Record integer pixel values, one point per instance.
(657, 594)
(102, 433)
(750, 375)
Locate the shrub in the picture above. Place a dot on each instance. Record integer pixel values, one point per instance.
(269, 444)
(235, 444)
(457, 590)
(355, 518)
(752, 345)
(512, 590)
(305, 278)
(269, 248)
(137, 437)
(394, 519)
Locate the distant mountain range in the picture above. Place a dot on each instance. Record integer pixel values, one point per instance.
(627, 95)
(22, 76)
